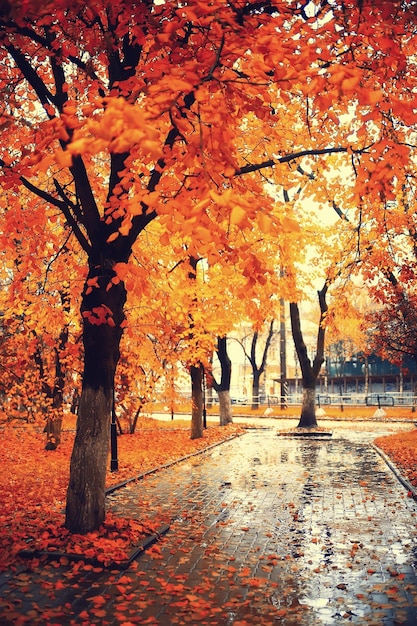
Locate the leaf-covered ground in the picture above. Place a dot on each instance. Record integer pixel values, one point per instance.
(402, 450)
(33, 486)
(32, 497)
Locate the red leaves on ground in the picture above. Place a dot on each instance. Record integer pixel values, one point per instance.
(402, 449)
(33, 485)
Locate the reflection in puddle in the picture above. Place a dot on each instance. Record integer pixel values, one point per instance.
(317, 530)
(314, 603)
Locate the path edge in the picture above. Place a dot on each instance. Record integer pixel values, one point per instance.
(396, 471)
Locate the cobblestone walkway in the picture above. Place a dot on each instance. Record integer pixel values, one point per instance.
(265, 530)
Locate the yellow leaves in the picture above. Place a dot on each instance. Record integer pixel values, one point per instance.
(63, 158)
(84, 145)
(134, 277)
(171, 85)
(123, 230)
(201, 94)
(117, 127)
(229, 171)
(224, 199)
(238, 215)
(370, 96)
(350, 83)
(265, 223)
(176, 84)
(137, 202)
(45, 163)
(289, 224)
(70, 108)
(201, 205)
(331, 116)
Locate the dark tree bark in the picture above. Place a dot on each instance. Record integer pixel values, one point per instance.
(223, 387)
(258, 371)
(283, 355)
(309, 371)
(54, 419)
(53, 398)
(102, 311)
(197, 373)
(134, 421)
(255, 388)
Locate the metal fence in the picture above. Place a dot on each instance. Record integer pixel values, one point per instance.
(374, 399)
(353, 399)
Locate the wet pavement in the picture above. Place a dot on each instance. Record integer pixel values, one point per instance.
(264, 530)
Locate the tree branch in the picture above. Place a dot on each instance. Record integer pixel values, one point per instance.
(44, 95)
(255, 167)
(319, 358)
(62, 206)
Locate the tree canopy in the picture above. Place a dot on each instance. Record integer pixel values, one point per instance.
(118, 114)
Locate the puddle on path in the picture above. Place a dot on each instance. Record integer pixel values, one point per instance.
(324, 522)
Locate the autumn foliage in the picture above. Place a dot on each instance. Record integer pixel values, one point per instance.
(202, 129)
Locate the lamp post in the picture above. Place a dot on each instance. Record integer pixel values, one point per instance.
(114, 462)
(204, 399)
(283, 355)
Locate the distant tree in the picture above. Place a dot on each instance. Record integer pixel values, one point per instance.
(309, 369)
(222, 387)
(257, 356)
(392, 327)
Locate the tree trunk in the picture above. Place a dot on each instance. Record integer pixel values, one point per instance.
(102, 311)
(53, 429)
(255, 388)
(309, 371)
(258, 371)
(283, 354)
(196, 372)
(55, 396)
(223, 388)
(54, 420)
(308, 409)
(85, 509)
(134, 421)
(225, 407)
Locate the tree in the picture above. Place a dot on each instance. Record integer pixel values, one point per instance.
(390, 324)
(309, 369)
(40, 340)
(252, 354)
(196, 367)
(119, 113)
(391, 330)
(222, 387)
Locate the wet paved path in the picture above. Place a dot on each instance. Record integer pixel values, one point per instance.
(265, 530)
